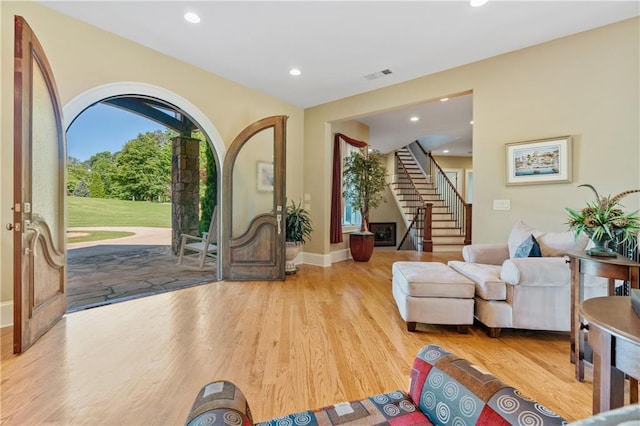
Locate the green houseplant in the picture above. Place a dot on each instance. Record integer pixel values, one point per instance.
(297, 231)
(364, 182)
(604, 221)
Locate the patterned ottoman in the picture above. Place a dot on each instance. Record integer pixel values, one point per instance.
(432, 293)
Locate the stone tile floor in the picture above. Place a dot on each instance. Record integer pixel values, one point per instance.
(106, 274)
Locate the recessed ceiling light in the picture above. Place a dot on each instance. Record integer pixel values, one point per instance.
(295, 71)
(471, 122)
(414, 118)
(478, 3)
(446, 151)
(444, 99)
(192, 17)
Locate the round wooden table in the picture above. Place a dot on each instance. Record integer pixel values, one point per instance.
(614, 336)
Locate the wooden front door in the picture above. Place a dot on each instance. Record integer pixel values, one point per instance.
(253, 215)
(38, 191)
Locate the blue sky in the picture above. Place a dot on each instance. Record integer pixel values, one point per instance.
(104, 128)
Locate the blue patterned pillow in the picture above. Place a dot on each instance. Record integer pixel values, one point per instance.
(528, 248)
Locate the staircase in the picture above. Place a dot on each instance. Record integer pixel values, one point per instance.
(414, 190)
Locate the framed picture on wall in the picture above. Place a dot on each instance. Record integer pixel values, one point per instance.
(539, 161)
(384, 233)
(265, 176)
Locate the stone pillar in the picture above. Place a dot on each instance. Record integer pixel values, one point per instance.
(185, 189)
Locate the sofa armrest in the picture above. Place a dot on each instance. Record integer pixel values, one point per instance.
(537, 271)
(218, 402)
(489, 253)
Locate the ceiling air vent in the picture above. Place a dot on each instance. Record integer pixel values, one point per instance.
(377, 74)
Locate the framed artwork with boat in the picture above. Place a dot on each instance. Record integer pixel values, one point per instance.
(539, 161)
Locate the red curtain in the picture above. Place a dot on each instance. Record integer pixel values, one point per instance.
(335, 229)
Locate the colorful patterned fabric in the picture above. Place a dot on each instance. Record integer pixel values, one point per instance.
(451, 391)
(220, 403)
(392, 409)
(448, 390)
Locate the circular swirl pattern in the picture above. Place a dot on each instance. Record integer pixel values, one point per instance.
(302, 419)
(284, 421)
(450, 391)
(381, 399)
(407, 406)
(429, 400)
(205, 419)
(391, 410)
(457, 421)
(432, 355)
(442, 412)
(232, 418)
(508, 404)
(467, 406)
(529, 418)
(396, 395)
(436, 380)
(544, 410)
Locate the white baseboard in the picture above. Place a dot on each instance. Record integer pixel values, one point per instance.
(325, 260)
(6, 314)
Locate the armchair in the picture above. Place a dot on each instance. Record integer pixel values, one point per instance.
(525, 292)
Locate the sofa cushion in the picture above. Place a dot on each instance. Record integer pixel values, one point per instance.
(449, 390)
(528, 248)
(519, 233)
(393, 408)
(431, 279)
(488, 284)
(560, 243)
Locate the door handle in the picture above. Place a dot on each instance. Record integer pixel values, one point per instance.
(279, 219)
(9, 226)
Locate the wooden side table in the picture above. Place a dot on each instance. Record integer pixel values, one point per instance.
(614, 336)
(612, 268)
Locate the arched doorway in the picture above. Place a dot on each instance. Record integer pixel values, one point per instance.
(146, 100)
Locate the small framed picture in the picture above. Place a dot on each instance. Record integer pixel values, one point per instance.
(384, 233)
(265, 176)
(539, 161)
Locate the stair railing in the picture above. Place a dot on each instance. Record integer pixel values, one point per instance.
(413, 199)
(461, 211)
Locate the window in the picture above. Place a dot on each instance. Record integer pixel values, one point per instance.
(351, 217)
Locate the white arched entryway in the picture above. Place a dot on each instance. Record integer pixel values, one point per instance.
(77, 105)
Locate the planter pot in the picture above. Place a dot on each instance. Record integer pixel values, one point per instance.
(291, 251)
(361, 246)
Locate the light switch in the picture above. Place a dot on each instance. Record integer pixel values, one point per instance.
(501, 204)
(307, 197)
(307, 206)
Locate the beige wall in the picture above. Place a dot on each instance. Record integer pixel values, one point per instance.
(586, 85)
(356, 130)
(83, 57)
(459, 164)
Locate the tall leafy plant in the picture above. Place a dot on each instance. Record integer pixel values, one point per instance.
(364, 181)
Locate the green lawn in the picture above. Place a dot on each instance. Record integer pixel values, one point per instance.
(85, 236)
(83, 211)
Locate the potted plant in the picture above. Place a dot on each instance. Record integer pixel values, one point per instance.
(364, 182)
(604, 222)
(297, 231)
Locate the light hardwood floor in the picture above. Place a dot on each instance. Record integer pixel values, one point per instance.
(323, 336)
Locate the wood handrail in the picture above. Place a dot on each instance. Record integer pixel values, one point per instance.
(428, 154)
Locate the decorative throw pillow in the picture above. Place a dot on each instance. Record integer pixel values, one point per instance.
(528, 248)
(560, 243)
(519, 233)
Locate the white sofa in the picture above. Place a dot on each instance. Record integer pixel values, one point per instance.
(525, 292)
